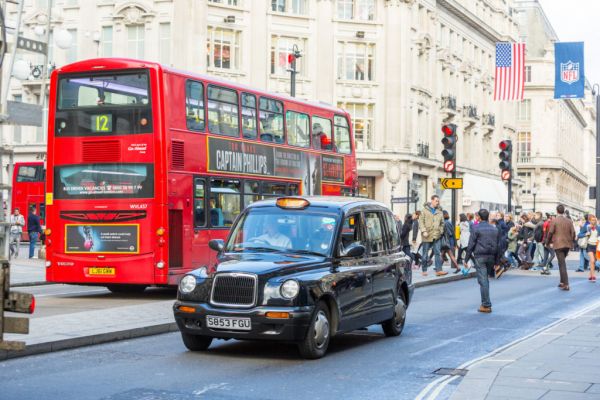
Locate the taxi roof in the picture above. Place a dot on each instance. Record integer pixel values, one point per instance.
(330, 202)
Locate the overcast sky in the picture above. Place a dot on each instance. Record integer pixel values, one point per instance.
(578, 21)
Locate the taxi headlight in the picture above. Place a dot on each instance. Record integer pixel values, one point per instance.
(290, 289)
(187, 284)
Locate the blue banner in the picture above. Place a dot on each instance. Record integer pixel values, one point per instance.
(569, 81)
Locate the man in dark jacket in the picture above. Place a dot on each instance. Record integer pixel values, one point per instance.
(484, 249)
(34, 228)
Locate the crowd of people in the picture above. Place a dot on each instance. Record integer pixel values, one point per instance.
(494, 242)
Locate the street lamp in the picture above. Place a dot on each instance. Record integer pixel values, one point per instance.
(596, 93)
(534, 193)
(292, 61)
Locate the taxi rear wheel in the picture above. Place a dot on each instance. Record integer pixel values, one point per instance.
(395, 325)
(196, 342)
(316, 342)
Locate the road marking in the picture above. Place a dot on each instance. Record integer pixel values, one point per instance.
(65, 293)
(210, 387)
(433, 389)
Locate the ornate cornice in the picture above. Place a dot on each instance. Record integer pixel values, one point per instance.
(133, 13)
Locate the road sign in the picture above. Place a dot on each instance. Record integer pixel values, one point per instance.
(32, 45)
(505, 175)
(449, 166)
(451, 183)
(401, 200)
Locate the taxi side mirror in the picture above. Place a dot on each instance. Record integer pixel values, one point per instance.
(354, 250)
(216, 244)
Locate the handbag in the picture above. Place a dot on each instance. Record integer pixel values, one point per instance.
(582, 242)
(444, 242)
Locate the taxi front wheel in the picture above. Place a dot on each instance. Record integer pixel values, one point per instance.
(196, 342)
(317, 338)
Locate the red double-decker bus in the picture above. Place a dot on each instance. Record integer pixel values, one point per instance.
(28, 189)
(146, 164)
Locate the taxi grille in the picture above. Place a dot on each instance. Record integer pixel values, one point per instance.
(235, 290)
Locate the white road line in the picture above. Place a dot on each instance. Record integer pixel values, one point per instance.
(432, 391)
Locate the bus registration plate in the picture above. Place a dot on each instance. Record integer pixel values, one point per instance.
(102, 271)
(229, 323)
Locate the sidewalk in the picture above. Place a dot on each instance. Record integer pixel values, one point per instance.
(561, 362)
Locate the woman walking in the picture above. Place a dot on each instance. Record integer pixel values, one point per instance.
(465, 234)
(449, 242)
(592, 235)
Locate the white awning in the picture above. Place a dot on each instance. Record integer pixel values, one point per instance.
(484, 190)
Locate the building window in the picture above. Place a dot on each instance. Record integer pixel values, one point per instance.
(524, 147)
(107, 41)
(234, 3)
(355, 61)
(135, 41)
(223, 48)
(72, 51)
(296, 7)
(165, 43)
(525, 177)
(524, 110)
(363, 123)
(281, 48)
(366, 187)
(528, 73)
(362, 10)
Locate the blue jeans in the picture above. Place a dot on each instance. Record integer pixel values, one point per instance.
(437, 248)
(483, 266)
(584, 260)
(512, 258)
(33, 237)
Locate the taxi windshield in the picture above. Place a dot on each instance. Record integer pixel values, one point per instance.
(300, 232)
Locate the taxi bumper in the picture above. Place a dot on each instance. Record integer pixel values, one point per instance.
(290, 329)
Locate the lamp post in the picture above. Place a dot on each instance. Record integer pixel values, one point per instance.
(596, 93)
(534, 193)
(292, 61)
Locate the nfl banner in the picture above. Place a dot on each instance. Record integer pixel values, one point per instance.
(569, 81)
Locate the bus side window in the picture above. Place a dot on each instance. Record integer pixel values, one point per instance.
(298, 129)
(199, 204)
(271, 121)
(321, 134)
(225, 202)
(249, 127)
(194, 106)
(223, 117)
(342, 135)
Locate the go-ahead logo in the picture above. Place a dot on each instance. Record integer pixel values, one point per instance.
(569, 72)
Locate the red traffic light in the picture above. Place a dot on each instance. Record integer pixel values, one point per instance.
(449, 130)
(291, 58)
(505, 145)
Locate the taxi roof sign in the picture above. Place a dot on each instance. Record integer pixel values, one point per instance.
(295, 203)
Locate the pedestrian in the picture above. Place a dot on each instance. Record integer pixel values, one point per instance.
(448, 241)
(560, 237)
(405, 235)
(511, 250)
(432, 228)
(465, 233)
(17, 222)
(549, 253)
(415, 228)
(525, 237)
(592, 244)
(582, 244)
(34, 228)
(538, 237)
(484, 249)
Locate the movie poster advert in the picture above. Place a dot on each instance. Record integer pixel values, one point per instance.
(333, 168)
(102, 239)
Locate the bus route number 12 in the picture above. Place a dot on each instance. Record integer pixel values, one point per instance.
(102, 123)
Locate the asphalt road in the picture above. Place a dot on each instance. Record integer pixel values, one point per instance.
(443, 330)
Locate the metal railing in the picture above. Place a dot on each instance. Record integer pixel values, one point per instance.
(489, 119)
(470, 112)
(423, 149)
(448, 102)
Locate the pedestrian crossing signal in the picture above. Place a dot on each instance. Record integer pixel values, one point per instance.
(449, 151)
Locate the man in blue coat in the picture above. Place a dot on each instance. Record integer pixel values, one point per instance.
(485, 250)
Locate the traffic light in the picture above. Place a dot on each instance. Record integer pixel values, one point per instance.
(449, 152)
(505, 159)
(13, 302)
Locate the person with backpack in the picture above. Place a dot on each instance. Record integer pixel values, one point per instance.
(538, 236)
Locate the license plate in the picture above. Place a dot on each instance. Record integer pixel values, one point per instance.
(101, 271)
(229, 323)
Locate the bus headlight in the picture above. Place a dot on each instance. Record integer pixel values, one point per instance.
(290, 289)
(160, 264)
(187, 284)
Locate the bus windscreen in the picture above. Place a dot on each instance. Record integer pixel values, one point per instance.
(102, 181)
(92, 105)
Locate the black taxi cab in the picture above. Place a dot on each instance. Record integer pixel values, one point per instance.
(302, 270)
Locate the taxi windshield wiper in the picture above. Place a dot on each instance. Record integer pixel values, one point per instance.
(308, 252)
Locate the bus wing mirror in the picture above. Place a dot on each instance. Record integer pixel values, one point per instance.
(216, 244)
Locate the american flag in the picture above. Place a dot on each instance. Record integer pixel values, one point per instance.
(510, 71)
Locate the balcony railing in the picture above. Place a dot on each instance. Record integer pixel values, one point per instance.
(448, 102)
(423, 149)
(521, 159)
(470, 112)
(489, 119)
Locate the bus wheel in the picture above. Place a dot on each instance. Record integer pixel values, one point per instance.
(196, 342)
(132, 289)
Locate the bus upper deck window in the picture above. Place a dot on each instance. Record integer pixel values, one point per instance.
(194, 106)
(271, 120)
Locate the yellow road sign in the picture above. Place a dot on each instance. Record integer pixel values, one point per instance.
(451, 183)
